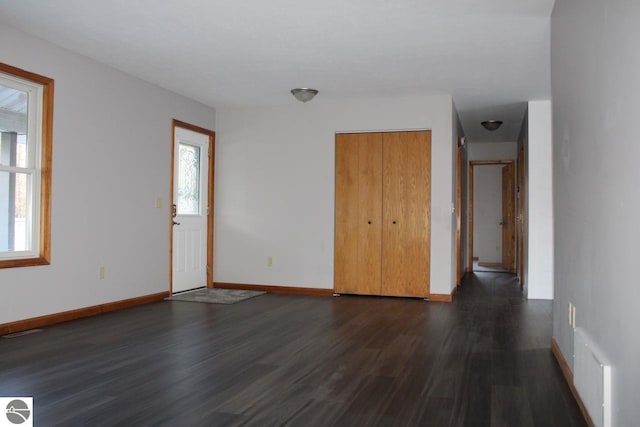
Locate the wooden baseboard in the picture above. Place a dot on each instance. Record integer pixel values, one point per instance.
(275, 289)
(441, 297)
(568, 375)
(51, 319)
(305, 291)
(491, 264)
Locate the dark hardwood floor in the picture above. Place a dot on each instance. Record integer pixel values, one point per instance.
(484, 360)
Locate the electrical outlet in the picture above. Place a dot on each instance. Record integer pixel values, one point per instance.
(270, 261)
(101, 272)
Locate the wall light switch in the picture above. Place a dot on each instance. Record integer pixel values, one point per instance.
(101, 272)
(158, 202)
(572, 315)
(270, 261)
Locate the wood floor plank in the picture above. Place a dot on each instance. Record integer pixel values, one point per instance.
(483, 360)
(510, 407)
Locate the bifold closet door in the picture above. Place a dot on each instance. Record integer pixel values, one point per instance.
(358, 214)
(406, 223)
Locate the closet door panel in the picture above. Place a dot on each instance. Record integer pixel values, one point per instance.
(346, 213)
(358, 216)
(370, 213)
(395, 156)
(417, 235)
(406, 214)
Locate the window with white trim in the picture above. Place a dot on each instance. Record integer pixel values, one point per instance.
(26, 113)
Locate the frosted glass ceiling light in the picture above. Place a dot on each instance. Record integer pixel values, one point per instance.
(491, 124)
(304, 94)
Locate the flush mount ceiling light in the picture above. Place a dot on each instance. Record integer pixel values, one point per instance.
(491, 124)
(304, 94)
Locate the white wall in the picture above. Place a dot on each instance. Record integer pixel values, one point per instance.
(111, 159)
(487, 216)
(275, 186)
(540, 202)
(493, 151)
(595, 64)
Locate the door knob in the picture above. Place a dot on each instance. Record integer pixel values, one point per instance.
(369, 222)
(394, 222)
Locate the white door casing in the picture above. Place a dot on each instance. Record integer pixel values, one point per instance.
(190, 207)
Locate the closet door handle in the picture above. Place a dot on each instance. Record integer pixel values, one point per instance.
(369, 222)
(394, 222)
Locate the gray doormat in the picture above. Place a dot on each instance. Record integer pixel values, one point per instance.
(215, 296)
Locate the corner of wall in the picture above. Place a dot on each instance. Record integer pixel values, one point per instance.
(523, 144)
(540, 201)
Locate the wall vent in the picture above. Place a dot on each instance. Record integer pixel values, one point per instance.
(592, 378)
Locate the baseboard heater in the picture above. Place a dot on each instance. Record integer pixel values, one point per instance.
(592, 378)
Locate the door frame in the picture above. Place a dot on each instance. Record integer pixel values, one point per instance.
(509, 217)
(521, 212)
(473, 163)
(212, 156)
(459, 262)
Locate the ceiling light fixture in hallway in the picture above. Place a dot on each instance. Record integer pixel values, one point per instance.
(304, 94)
(491, 125)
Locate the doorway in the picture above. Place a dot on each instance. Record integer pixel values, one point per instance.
(492, 216)
(191, 232)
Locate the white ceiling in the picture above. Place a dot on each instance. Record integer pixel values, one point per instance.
(491, 55)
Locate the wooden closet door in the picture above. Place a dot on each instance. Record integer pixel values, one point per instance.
(406, 220)
(358, 214)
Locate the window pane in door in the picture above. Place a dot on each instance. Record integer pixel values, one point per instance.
(15, 212)
(188, 180)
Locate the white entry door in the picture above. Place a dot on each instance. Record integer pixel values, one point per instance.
(190, 210)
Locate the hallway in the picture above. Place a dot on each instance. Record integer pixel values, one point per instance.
(510, 377)
(483, 360)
